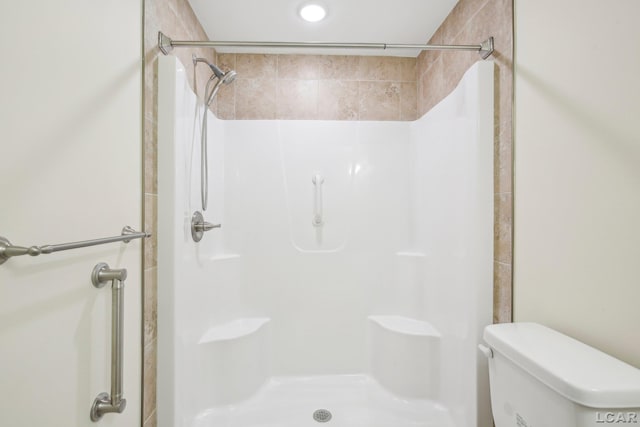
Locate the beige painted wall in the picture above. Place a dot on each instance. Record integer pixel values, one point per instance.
(70, 170)
(577, 170)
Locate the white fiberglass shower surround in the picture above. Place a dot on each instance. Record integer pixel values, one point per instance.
(352, 272)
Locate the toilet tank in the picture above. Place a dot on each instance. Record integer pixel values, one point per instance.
(542, 378)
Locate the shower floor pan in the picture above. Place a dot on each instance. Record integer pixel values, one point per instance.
(352, 400)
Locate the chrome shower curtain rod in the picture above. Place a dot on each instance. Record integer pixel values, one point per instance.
(166, 45)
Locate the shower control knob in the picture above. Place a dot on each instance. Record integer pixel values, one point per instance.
(206, 226)
(199, 226)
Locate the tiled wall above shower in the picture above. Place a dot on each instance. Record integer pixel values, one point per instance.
(321, 87)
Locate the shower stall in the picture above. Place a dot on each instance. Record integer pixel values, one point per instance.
(351, 276)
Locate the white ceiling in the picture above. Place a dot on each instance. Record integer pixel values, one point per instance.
(347, 21)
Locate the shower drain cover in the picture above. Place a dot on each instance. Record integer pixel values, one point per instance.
(322, 415)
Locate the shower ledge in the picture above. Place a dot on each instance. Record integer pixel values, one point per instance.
(223, 257)
(406, 325)
(235, 329)
(411, 254)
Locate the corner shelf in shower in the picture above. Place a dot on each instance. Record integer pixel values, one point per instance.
(411, 254)
(405, 325)
(404, 355)
(224, 257)
(234, 329)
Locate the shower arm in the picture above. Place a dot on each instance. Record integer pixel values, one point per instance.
(166, 45)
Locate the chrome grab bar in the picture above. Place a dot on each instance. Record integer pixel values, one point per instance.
(7, 250)
(105, 403)
(317, 220)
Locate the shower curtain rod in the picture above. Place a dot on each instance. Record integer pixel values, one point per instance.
(166, 45)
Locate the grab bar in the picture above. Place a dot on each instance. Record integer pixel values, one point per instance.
(317, 181)
(104, 403)
(7, 250)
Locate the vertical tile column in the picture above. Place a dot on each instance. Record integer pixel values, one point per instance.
(470, 22)
(176, 19)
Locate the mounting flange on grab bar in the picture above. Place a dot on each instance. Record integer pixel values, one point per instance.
(105, 403)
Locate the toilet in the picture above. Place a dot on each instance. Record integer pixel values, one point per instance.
(541, 378)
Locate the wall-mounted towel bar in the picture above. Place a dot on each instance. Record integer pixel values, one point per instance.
(7, 250)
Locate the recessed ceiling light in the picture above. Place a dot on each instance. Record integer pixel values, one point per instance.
(313, 13)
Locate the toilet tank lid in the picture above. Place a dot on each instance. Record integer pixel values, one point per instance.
(575, 370)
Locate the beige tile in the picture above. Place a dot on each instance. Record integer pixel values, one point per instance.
(502, 228)
(255, 99)
(227, 61)
(431, 87)
(150, 304)
(150, 246)
(422, 97)
(188, 18)
(150, 86)
(439, 36)
(226, 102)
(151, 28)
(166, 19)
(297, 100)
(337, 100)
(152, 421)
(502, 293)
(303, 67)
(503, 163)
(385, 68)
(379, 100)
(494, 18)
(338, 67)
(189, 28)
(256, 66)
(407, 69)
(424, 61)
(149, 375)
(459, 17)
(504, 98)
(470, 22)
(408, 101)
(150, 157)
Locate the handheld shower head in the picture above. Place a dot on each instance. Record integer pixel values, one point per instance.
(227, 78)
(223, 78)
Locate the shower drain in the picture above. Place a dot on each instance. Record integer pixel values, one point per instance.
(322, 415)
